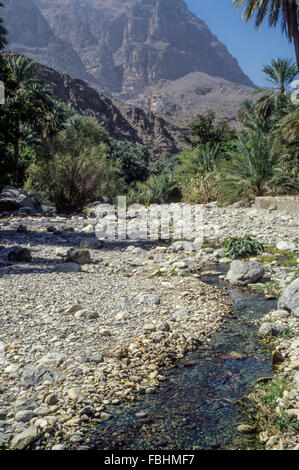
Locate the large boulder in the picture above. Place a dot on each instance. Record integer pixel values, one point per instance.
(268, 328)
(289, 299)
(24, 439)
(79, 256)
(36, 375)
(48, 211)
(17, 253)
(12, 199)
(243, 273)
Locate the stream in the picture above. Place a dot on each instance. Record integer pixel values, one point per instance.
(196, 407)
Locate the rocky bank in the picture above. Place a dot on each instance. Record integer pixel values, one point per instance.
(86, 324)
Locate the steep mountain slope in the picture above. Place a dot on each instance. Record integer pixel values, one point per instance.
(30, 34)
(195, 93)
(153, 54)
(127, 45)
(124, 123)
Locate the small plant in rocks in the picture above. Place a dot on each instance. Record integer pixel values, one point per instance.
(261, 407)
(242, 247)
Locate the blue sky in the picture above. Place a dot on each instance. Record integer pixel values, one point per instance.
(251, 47)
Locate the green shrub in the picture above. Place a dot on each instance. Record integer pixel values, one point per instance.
(242, 247)
(156, 190)
(195, 173)
(71, 167)
(248, 171)
(68, 180)
(199, 189)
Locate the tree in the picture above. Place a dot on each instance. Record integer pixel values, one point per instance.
(58, 118)
(3, 32)
(71, 166)
(285, 11)
(252, 121)
(285, 144)
(206, 131)
(247, 173)
(26, 103)
(133, 161)
(280, 73)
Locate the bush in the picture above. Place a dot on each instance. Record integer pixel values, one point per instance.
(195, 173)
(156, 190)
(68, 180)
(71, 167)
(242, 247)
(199, 190)
(247, 173)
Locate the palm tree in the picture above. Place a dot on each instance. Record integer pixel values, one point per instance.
(23, 71)
(280, 73)
(285, 11)
(253, 121)
(3, 32)
(248, 171)
(29, 98)
(58, 118)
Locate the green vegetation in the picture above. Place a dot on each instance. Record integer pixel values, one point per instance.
(69, 160)
(272, 339)
(206, 130)
(242, 247)
(262, 159)
(283, 258)
(262, 407)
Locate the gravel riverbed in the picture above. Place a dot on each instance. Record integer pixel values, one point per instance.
(79, 336)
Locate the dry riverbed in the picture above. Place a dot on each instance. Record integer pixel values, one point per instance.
(95, 335)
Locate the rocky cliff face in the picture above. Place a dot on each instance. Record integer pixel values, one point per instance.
(125, 123)
(30, 34)
(153, 54)
(127, 45)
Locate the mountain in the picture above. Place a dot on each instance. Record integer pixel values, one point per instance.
(124, 123)
(30, 34)
(129, 44)
(195, 93)
(153, 54)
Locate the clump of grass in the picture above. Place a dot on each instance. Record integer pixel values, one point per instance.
(272, 339)
(242, 247)
(261, 407)
(268, 259)
(172, 272)
(209, 245)
(288, 262)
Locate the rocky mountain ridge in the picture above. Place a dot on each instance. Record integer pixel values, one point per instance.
(125, 123)
(153, 54)
(30, 34)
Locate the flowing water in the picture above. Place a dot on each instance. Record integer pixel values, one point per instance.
(196, 407)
